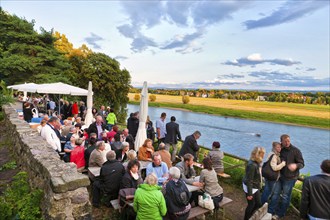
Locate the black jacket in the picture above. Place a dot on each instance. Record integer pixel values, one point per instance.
(130, 140)
(119, 156)
(252, 178)
(172, 133)
(173, 188)
(129, 182)
(315, 198)
(93, 129)
(87, 154)
(133, 125)
(290, 155)
(27, 113)
(111, 175)
(189, 146)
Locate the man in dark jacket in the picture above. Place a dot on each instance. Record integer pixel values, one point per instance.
(172, 136)
(97, 127)
(121, 154)
(133, 124)
(177, 196)
(128, 138)
(109, 181)
(315, 201)
(289, 174)
(190, 145)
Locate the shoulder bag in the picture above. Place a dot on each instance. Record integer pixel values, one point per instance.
(268, 172)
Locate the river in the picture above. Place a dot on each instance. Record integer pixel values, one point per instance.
(239, 136)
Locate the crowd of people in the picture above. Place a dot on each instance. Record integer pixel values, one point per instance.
(161, 188)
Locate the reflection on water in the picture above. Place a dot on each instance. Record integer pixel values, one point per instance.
(239, 136)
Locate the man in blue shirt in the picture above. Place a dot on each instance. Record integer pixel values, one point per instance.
(161, 128)
(158, 167)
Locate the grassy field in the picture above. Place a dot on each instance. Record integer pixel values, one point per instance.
(298, 114)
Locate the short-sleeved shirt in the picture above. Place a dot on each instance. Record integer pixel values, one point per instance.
(158, 170)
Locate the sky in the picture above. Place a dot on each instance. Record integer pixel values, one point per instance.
(228, 44)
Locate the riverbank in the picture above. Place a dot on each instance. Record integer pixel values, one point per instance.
(297, 114)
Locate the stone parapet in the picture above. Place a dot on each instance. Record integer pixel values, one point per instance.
(65, 190)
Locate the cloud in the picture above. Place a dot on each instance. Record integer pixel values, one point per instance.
(288, 12)
(276, 78)
(197, 15)
(203, 84)
(93, 39)
(206, 13)
(120, 58)
(185, 43)
(230, 76)
(139, 41)
(274, 75)
(260, 79)
(255, 59)
(310, 69)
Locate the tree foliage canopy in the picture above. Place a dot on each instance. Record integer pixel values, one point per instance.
(27, 55)
(47, 56)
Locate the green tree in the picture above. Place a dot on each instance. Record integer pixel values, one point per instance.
(28, 56)
(110, 83)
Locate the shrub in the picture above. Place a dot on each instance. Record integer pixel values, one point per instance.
(6, 95)
(19, 201)
(152, 98)
(185, 99)
(137, 97)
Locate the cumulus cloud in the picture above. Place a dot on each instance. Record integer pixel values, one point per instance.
(197, 15)
(255, 59)
(92, 40)
(288, 12)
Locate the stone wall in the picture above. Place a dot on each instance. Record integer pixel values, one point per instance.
(65, 190)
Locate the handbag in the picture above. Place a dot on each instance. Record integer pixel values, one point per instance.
(206, 201)
(126, 195)
(268, 172)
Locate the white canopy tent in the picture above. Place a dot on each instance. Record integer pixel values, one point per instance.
(51, 88)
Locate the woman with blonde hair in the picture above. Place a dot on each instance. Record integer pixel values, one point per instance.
(272, 184)
(252, 181)
(131, 155)
(149, 202)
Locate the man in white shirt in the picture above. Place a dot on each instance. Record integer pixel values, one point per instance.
(48, 133)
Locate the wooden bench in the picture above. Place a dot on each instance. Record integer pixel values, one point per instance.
(222, 204)
(197, 211)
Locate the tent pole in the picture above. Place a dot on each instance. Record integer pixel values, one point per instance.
(59, 104)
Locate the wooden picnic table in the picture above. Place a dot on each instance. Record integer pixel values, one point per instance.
(95, 171)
